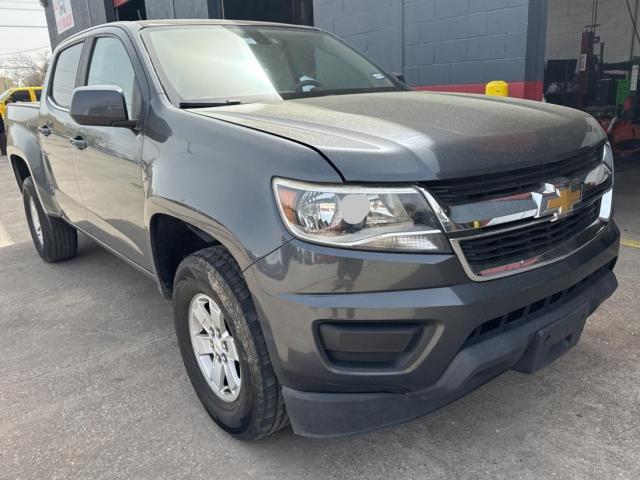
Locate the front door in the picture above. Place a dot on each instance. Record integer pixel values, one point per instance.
(109, 166)
(56, 130)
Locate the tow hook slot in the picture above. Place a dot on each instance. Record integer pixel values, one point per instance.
(552, 341)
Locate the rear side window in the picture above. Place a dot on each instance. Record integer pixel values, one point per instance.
(37, 93)
(21, 96)
(64, 76)
(110, 65)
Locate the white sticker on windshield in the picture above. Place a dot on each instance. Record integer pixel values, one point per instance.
(250, 41)
(378, 76)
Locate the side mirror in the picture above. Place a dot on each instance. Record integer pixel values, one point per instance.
(399, 76)
(100, 106)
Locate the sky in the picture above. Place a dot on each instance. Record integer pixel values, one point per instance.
(22, 13)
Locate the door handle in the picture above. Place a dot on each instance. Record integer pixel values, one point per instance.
(79, 142)
(44, 130)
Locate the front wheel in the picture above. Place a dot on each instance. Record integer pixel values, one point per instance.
(54, 239)
(223, 347)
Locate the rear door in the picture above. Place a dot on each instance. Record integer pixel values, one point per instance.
(109, 168)
(56, 130)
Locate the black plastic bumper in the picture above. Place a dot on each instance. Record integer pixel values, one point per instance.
(525, 348)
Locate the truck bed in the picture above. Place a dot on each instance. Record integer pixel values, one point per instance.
(25, 113)
(21, 125)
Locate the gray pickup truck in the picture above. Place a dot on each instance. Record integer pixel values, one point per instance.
(343, 253)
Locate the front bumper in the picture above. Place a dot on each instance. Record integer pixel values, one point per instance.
(300, 286)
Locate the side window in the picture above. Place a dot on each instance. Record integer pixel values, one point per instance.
(110, 65)
(64, 76)
(21, 96)
(37, 93)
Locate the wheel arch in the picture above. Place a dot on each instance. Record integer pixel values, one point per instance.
(30, 163)
(176, 231)
(20, 169)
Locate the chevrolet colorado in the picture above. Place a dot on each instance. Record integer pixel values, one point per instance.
(342, 253)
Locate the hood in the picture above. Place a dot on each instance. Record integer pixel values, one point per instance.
(422, 136)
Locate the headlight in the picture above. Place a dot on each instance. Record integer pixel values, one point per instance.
(606, 203)
(359, 217)
(607, 156)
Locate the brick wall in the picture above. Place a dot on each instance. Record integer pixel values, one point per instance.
(567, 20)
(464, 41)
(443, 42)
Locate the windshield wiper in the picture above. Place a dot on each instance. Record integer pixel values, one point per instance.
(205, 104)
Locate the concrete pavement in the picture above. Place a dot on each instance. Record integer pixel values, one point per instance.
(92, 386)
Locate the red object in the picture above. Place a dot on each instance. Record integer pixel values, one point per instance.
(625, 138)
(119, 3)
(531, 90)
(604, 123)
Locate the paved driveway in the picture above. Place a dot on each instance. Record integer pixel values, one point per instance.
(92, 386)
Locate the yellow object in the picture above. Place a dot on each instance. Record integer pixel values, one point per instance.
(568, 198)
(19, 94)
(630, 243)
(497, 88)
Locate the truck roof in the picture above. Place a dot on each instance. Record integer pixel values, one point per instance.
(137, 25)
(204, 21)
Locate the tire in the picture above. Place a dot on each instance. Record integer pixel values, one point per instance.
(256, 409)
(55, 240)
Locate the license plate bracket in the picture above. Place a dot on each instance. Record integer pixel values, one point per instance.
(553, 341)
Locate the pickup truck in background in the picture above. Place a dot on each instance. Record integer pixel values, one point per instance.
(18, 94)
(342, 253)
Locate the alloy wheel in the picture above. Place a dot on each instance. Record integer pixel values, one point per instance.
(35, 220)
(214, 348)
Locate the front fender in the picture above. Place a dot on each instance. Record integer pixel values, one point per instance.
(217, 176)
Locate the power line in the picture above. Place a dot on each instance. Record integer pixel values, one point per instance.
(23, 26)
(27, 50)
(10, 6)
(29, 60)
(21, 9)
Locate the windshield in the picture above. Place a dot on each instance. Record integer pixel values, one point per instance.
(4, 95)
(216, 63)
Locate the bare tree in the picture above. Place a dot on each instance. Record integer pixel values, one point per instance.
(24, 70)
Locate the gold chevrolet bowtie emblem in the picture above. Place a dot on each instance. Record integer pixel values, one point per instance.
(566, 198)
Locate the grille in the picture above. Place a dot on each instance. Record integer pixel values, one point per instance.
(485, 187)
(529, 312)
(526, 243)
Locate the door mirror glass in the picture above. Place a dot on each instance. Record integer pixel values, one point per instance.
(99, 106)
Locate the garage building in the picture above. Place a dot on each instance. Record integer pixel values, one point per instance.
(451, 45)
